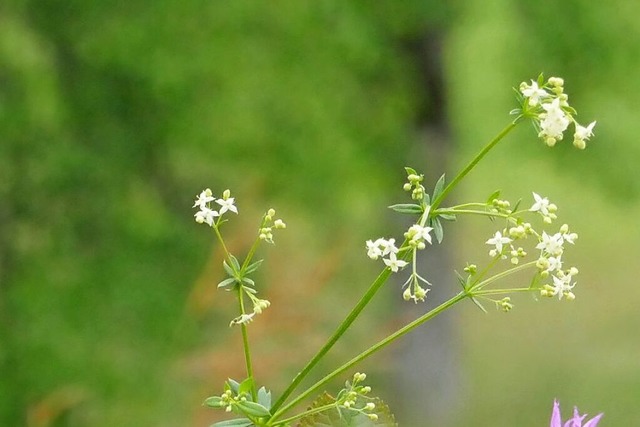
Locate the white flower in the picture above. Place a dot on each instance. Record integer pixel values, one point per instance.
(227, 205)
(555, 264)
(533, 92)
(418, 233)
(388, 246)
(551, 244)
(204, 198)
(498, 240)
(554, 122)
(206, 215)
(541, 205)
(373, 249)
(562, 287)
(582, 135)
(243, 319)
(393, 263)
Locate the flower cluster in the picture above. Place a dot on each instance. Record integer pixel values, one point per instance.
(204, 203)
(551, 248)
(350, 397)
(416, 237)
(575, 421)
(548, 105)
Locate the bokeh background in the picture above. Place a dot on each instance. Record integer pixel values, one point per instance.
(114, 115)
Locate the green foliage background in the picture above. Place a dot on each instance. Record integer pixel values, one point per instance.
(114, 115)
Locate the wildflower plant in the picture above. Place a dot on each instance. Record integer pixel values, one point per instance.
(527, 238)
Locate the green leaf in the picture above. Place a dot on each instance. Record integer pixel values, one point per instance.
(228, 269)
(252, 408)
(410, 171)
(226, 282)
(253, 267)
(447, 217)
(246, 386)
(347, 418)
(234, 262)
(213, 402)
(515, 112)
(409, 208)
(476, 302)
(437, 190)
(438, 231)
(493, 196)
(540, 79)
(232, 385)
(238, 422)
(248, 281)
(517, 205)
(461, 280)
(264, 397)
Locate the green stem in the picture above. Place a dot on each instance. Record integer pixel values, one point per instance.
(473, 163)
(472, 212)
(499, 276)
(351, 317)
(306, 413)
(245, 343)
(371, 350)
(489, 292)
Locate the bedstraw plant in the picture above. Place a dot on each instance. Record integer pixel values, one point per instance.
(528, 238)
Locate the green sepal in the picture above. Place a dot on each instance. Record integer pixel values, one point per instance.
(438, 231)
(409, 208)
(213, 402)
(253, 409)
(437, 190)
(226, 282)
(253, 267)
(238, 422)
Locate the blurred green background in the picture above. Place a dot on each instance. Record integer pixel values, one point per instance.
(113, 115)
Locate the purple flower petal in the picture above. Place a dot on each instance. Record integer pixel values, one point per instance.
(556, 421)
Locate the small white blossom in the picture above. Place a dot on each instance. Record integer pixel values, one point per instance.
(533, 92)
(498, 240)
(227, 205)
(418, 233)
(551, 244)
(243, 319)
(553, 122)
(562, 286)
(394, 263)
(541, 205)
(206, 215)
(203, 199)
(582, 135)
(373, 249)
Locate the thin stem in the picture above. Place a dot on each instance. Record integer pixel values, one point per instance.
(489, 292)
(253, 249)
(500, 275)
(221, 240)
(473, 163)
(342, 328)
(351, 317)
(245, 344)
(306, 413)
(472, 212)
(371, 350)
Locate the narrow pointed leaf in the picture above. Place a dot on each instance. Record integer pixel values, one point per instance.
(409, 208)
(438, 187)
(254, 409)
(264, 397)
(438, 231)
(226, 282)
(238, 422)
(253, 267)
(493, 196)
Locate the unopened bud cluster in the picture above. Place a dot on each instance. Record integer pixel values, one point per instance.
(268, 225)
(414, 185)
(548, 105)
(354, 395)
